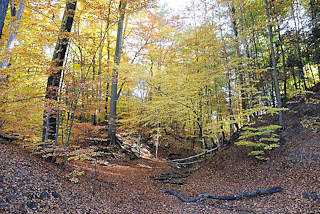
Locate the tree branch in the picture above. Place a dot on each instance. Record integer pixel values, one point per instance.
(118, 95)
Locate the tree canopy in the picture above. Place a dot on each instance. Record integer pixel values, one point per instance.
(199, 77)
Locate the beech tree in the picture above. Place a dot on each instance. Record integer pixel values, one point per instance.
(3, 12)
(274, 64)
(115, 75)
(13, 31)
(314, 10)
(53, 84)
(198, 79)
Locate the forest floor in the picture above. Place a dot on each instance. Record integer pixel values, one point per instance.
(31, 185)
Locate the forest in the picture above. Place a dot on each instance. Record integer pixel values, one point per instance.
(130, 106)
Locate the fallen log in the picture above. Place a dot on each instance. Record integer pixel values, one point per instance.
(189, 163)
(196, 156)
(9, 137)
(230, 197)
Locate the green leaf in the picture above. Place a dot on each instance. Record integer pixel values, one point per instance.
(257, 153)
(269, 147)
(249, 128)
(262, 158)
(269, 139)
(249, 143)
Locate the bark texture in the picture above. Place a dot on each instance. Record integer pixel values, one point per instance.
(274, 65)
(14, 28)
(3, 11)
(53, 84)
(115, 76)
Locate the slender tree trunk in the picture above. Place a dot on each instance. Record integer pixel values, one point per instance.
(115, 76)
(106, 123)
(233, 123)
(254, 39)
(272, 96)
(313, 78)
(283, 63)
(285, 83)
(299, 80)
(94, 95)
(301, 76)
(294, 78)
(274, 65)
(14, 28)
(236, 34)
(3, 11)
(230, 105)
(246, 45)
(99, 74)
(53, 84)
(315, 20)
(106, 106)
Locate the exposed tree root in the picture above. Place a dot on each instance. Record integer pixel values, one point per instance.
(230, 197)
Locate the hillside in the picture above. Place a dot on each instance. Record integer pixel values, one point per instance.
(29, 184)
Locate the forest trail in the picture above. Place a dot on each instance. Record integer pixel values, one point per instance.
(31, 185)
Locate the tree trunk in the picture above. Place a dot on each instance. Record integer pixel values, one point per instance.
(272, 96)
(301, 76)
(13, 33)
(3, 11)
(313, 78)
(53, 84)
(315, 21)
(94, 96)
(236, 34)
(283, 63)
(115, 76)
(106, 106)
(285, 84)
(294, 78)
(247, 52)
(108, 66)
(13, 28)
(274, 65)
